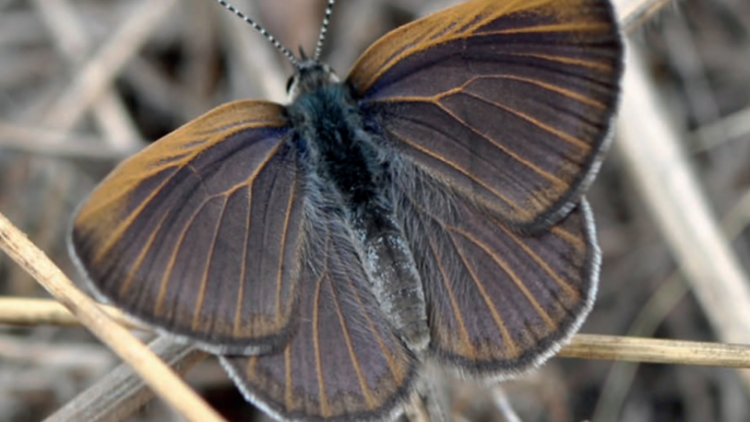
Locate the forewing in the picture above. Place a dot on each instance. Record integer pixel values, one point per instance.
(344, 362)
(198, 235)
(507, 101)
(498, 302)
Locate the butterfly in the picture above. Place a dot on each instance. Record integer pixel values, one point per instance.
(427, 207)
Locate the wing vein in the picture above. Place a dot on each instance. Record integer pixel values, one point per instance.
(204, 279)
(125, 223)
(170, 264)
(397, 375)
(469, 347)
(560, 134)
(551, 178)
(513, 276)
(426, 151)
(282, 260)
(352, 355)
(243, 265)
(536, 258)
(512, 347)
(141, 256)
(322, 397)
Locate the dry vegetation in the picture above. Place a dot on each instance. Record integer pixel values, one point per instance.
(84, 83)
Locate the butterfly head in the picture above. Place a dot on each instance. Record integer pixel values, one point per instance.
(309, 76)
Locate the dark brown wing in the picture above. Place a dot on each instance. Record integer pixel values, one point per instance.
(198, 235)
(506, 101)
(344, 362)
(498, 302)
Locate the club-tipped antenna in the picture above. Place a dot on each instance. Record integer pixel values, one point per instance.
(324, 30)
(285, 51)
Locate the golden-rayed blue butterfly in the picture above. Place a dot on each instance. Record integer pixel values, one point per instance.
(426, 207)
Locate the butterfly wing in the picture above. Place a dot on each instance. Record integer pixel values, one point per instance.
(198, 235)
(344, 362)
(498, 302)
(508, 102)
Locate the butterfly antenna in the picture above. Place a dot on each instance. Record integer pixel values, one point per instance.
(323, 30)
(285, 51)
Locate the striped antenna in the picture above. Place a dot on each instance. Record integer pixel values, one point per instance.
(323, 30)
(285, 51)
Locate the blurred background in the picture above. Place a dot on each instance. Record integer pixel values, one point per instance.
(84, 84)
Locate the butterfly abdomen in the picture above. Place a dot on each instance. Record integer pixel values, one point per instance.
(344, 157)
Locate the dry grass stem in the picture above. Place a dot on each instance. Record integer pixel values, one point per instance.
(634, 349)
(154, 371)
(57, 143)
(97, 73)
(109, 111)
(123, 391)
(17, 311)
(654, 157)
(583, 346)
